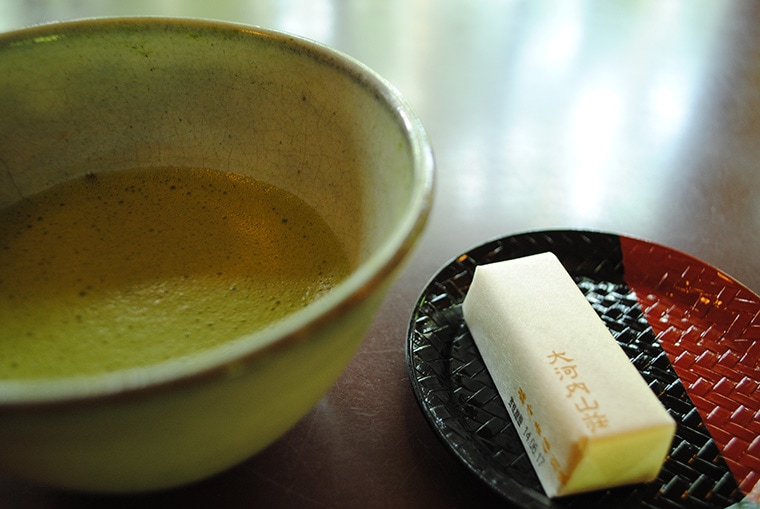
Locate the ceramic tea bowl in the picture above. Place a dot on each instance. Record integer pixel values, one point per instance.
(112, 94)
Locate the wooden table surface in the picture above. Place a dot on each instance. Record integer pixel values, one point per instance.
(634, 117)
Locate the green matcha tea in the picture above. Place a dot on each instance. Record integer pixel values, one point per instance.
(124, 269)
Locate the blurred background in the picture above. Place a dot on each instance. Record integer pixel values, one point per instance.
(572, 104)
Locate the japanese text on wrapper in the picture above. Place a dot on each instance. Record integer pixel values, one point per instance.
(538, 445)
(528, 428)
(578, 391)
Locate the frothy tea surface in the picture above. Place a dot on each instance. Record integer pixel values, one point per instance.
(122, 269)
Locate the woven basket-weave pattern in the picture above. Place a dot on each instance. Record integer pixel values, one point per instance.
(459, 399)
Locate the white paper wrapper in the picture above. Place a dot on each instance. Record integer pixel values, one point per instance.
(585, 415)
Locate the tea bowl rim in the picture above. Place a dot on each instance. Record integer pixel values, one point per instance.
(240, 354)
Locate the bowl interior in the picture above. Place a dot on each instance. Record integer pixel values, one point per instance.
(106, 95)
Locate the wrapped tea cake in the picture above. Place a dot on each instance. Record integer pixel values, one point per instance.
(586, 417)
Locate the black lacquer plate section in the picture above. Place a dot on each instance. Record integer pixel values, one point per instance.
(457, 395)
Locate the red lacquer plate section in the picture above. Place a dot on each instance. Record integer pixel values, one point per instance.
(709, 326)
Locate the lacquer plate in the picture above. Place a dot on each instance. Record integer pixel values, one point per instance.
(692, 331)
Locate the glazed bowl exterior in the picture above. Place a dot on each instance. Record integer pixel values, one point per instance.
(110, 94)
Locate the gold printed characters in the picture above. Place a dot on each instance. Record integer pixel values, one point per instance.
(578, 391)
(527, 427)
(537, 444)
